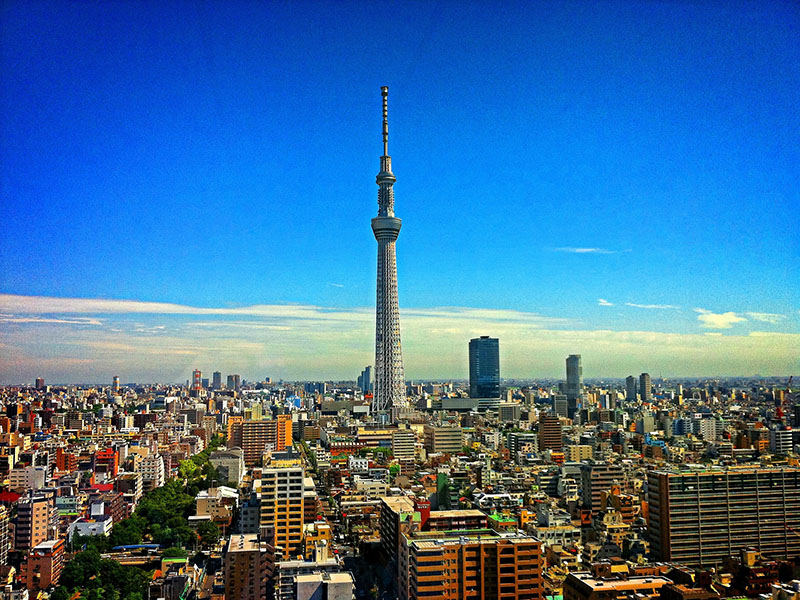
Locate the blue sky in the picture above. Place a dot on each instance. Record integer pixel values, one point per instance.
(218, 156)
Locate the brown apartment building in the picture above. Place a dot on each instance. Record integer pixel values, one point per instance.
(401, 514)
(703, 517)
(255, 437)
(247, 568)
(597, 478)
(43, 565)
(550, 437)
(37, 519)
(479, 565)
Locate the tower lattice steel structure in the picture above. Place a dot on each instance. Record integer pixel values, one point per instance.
(390, 385)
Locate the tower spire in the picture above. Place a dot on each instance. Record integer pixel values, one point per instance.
(385, 94)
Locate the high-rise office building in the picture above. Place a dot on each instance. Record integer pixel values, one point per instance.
(560, 405)
(216, 381)
(574, 377)
(630, 388)
(443, 439)
(40, 383)
(365, 379)
(780, 440)
(390, 385)
(484, 367)
(282, 505)
(404, 444)
(645, 388)
(702, 517)
(115, 384)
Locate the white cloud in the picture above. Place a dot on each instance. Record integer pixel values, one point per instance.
(45, 305)
(305, 342)
(297, 312)
(604, 302)
(574, 250)
(339, 285)
(766, 317)
(653, 306)
(711, 320)
(76, 321)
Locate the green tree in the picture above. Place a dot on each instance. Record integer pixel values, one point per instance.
(128, 531)
(60, 593)
(98, 542)
(81, 569)
(188, 469)
(209, 534)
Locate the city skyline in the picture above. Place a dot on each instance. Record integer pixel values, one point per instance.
(164, 222)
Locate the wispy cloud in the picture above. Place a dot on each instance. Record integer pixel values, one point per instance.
(604, 302)
(45, 305)
(339, 285)
(76, 321)
(766, 317)
(150, 341)
(576, 250)
(653, 306)
(711, 320)
(13, 305)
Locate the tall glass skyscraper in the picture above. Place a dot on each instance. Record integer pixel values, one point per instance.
(574, 377)
(484, 367)
(645, 387)
(630, 388)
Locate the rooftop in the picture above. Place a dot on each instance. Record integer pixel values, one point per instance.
(482, 537)
(448, 514)
(399, 503)
(621, 584)
(244, 543)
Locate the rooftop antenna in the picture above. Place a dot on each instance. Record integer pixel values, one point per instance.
(385, 94)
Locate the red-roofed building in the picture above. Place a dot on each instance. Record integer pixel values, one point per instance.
(107, 460)
(9, 498)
